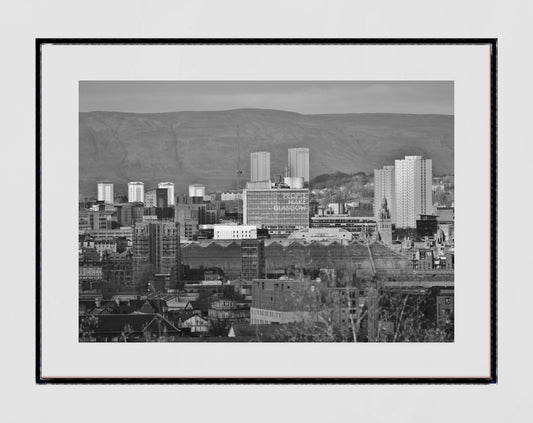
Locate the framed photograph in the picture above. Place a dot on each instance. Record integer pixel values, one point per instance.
(266, 211)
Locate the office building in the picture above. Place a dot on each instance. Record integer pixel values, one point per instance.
(298, 163)
(385, 187)
(159, 213)
(156, 252)
(90, 219)
(360, 225)
(105, 192)
(281, 211)
(426, 225)
(169, 186)
(234, 232)
(161, 198)
(129, 213)
(150, 199)
(157, 198)
(136, 192)
(260, 166)
(207, 214)
(413, 179)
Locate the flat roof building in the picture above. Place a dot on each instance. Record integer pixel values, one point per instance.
(298, 163)
(354, 224)
(105, 192)
(169, 186)
(260, 166)
(322, 235)
(135, 192)
(156, 251)
(413, 180)
(234, 231)
(282, 211)
(197, 190)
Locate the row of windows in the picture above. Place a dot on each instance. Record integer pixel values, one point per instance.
(266, 313)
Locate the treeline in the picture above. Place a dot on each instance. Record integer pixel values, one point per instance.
(330, 180)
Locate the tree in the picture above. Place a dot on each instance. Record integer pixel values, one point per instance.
(87, 326)
(341, 314)
(322, 313)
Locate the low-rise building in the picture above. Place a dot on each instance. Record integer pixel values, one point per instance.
(231, 196)
(288, 300)
(322, 235)
(234, 231)
(229, 310)
(365, 225)
(196, 324)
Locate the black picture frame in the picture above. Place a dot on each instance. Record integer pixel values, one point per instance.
(492, 42)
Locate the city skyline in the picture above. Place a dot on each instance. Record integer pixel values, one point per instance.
(326, 225)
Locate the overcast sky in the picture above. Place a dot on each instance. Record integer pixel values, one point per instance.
(308, 97)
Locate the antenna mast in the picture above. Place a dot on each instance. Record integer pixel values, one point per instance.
(239, 172)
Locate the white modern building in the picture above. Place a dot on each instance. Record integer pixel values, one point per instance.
(260, 166)
(136, 192)
(197, 190)
(295, 182)
(170, 190)
(105, 192)
(298, 163)
(413, 180)
(234, 232)
(385, 187)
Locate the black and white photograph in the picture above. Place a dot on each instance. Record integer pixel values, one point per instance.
(245, 221)
(266, 211)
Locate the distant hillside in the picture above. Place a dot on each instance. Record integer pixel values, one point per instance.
(329, 180)
(188, 147)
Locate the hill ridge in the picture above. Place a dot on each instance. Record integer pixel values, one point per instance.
(200, 146)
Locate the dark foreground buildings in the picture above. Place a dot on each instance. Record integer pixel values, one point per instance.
(156, 252)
